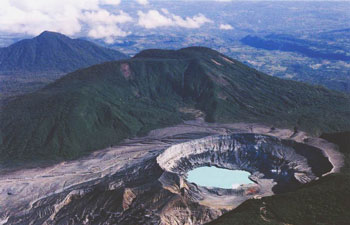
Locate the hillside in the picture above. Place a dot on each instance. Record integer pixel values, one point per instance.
(30, 64)
(52, 53)
(99, 106)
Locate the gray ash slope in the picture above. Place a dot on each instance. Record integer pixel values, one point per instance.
(133, 183)
(101, 105)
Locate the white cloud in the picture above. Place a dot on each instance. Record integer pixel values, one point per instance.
(84, 17)
(64, 16)
(107, 32)
(110, 2)
(154, 19)
(226, 27)
(143, 2)
(104, 25)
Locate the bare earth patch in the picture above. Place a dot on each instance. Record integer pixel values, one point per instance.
(126, 71)
(227, 60)
(217, 63)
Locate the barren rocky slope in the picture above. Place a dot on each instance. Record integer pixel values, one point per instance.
(132, 183)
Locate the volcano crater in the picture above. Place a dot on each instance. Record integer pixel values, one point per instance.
(276, 165)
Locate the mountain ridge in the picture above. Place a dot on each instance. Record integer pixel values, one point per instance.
(52, 52)
(99, 106)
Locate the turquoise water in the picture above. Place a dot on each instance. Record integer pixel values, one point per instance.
(217, 177)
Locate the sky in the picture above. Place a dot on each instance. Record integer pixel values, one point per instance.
(91, 18)
(69, 17)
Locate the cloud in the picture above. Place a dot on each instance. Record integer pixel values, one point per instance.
(104, 25)
(154, 19)
(110, 2)
(65, 16)
(226, 27)
(143, 2)
(107, 32)
(90, 18)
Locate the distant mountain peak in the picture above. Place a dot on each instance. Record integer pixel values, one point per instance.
(53, 53)
(50, 34)
(46, 32)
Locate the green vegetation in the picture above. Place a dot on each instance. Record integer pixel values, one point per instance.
(99, 106)
(30, 64)
(52, 53)
(322, 202)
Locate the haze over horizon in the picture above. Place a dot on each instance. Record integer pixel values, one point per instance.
(107, 20)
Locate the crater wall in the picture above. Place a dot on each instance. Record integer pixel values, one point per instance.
(143, 181)
(285, 162)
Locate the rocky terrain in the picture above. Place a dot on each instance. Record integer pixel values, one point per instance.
(268, 159)
(142, 180)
